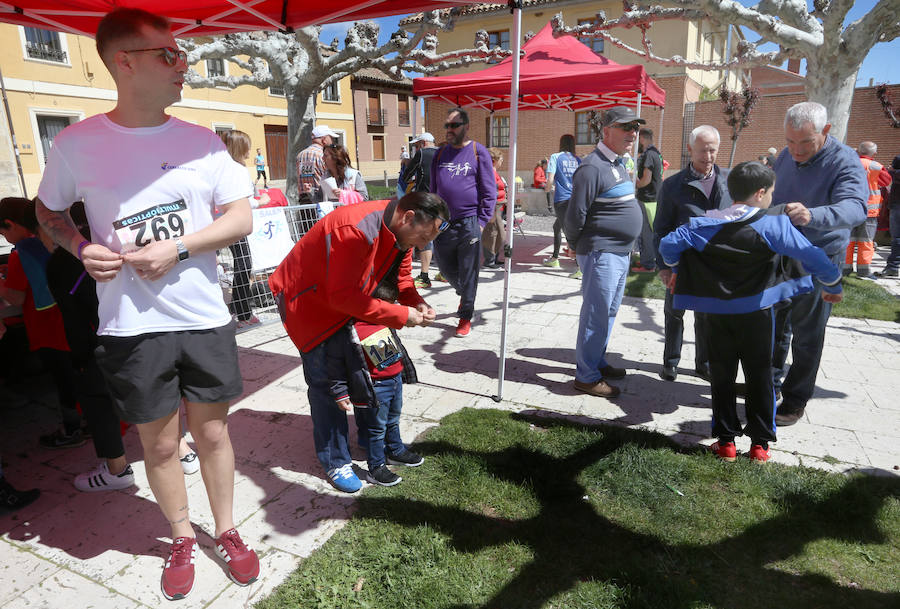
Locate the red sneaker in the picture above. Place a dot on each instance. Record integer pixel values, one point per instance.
(464, 327)
(758, 453)
(178, 574)
(243, 564)
(641, 269)
(725, 451)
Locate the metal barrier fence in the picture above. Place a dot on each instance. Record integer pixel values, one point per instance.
(246, 291)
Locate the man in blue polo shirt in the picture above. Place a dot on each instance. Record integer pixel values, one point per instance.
(601, 224)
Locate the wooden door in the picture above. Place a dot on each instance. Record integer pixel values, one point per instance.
(277, 151)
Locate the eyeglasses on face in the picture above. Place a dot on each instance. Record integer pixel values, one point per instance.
(453, 125)
(445, 224)
(629, 126)
(170, 55)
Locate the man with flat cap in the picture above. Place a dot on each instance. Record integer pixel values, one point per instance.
(601, 224)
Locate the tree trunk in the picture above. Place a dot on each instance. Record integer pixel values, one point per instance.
(301, 110)
(831, 83)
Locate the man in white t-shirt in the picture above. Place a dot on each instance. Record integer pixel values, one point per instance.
(150, 184)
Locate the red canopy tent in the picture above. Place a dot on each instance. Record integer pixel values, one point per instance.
(555, 73)
(204, 17)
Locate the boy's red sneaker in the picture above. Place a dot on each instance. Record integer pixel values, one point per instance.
(242, 561)
(724, 450)
(464, 327)
(178, 574)
(758, 453)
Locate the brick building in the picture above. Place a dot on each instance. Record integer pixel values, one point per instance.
(867, 122)
(539, 131)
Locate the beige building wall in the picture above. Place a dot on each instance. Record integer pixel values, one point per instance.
(80, 87)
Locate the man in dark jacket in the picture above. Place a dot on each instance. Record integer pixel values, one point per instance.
(691, 192)
(892, 267)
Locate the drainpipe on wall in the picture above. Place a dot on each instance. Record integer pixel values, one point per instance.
(12, 134)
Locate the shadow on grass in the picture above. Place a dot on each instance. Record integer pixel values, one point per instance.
(571, 543)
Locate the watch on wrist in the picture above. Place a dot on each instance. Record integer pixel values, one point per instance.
(183, 253)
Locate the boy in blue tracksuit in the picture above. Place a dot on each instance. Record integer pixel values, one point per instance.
(735, 264)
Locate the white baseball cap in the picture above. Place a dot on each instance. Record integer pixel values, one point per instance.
(424, 137)
(322, 131)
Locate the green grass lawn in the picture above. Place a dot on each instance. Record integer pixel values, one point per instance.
(512, 512)
(862, 299)
(380, 191)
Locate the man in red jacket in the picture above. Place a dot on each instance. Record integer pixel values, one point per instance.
(327, 280)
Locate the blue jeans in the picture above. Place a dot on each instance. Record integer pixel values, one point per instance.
(602, 287)
(800, 326)
(329, 421)
(458, 254)
(383, 422)
(893, 261)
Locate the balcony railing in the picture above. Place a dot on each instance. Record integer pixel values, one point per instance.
(376, 117)
(403, 118)
(42, 51)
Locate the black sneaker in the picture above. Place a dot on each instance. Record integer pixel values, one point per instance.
(11, 499)
(407, 458)
(60, 439)
(382, 476)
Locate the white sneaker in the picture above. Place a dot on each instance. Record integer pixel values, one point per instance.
(190, 463)
(99, 479)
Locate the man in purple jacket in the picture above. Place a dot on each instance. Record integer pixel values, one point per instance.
(462, 175)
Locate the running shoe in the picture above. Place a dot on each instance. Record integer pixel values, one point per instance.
(383, 476)
(178, 574)
(60, 439)
(190, 463)
(242, 561)
(405, 457)
(99, 479)
(344, 480)
(726, 451)
(551, 262)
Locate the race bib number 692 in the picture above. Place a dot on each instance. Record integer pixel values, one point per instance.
(157, 223)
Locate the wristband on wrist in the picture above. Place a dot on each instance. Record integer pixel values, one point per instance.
(81, 246)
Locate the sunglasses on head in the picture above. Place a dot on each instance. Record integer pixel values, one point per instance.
(170, 55)
(454, 125)
(629, 126)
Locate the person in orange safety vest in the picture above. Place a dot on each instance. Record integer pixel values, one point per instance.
(862, 237)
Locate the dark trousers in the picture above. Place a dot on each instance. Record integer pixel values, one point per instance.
(674, 336)
(800, 327)
(240, 287)
(893, 261)
(59, 365)
(645, 240)
(458, 253)
(746, 338)
(99, 412)
(560, 210)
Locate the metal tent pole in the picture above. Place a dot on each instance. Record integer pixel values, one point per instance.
(516, 6)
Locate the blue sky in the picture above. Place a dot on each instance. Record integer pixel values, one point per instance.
(881, 64)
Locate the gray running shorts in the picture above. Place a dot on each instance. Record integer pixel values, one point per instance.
(148, 374)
